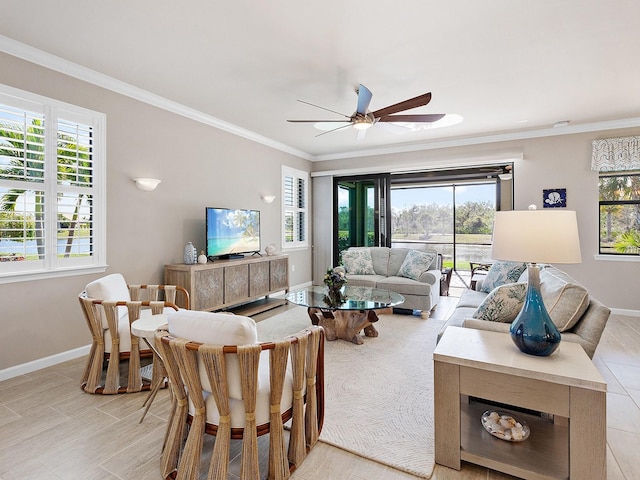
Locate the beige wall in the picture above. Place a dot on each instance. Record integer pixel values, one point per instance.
(199, 166)
(562, 161)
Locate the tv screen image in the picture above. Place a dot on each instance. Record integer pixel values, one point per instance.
(232, 232)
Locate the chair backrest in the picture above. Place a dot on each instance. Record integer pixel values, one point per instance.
(110, 288)
(195, 368)
(216, 329)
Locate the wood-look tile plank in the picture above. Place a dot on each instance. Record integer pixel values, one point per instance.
(627, 375)
(622, 413)
(625, 447)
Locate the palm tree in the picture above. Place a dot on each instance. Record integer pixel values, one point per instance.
(25, 152)
(628, 242)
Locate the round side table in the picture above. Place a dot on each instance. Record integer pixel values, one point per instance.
(145, 328)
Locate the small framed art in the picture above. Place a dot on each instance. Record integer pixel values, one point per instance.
(554, 198)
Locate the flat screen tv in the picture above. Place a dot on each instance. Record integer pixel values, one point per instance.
(232, 233)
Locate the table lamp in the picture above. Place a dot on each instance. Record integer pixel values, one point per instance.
(535, 236)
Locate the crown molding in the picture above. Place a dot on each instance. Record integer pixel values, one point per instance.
(492, 138)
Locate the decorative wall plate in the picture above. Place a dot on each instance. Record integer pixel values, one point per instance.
(505, 426)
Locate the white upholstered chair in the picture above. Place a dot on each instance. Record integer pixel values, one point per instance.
(110, 306)
(226, 384)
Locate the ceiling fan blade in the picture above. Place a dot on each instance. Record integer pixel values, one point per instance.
(364, 99)
(323, 108)
(334, 130)
(416, 102)
(316, 121)
(428, 118)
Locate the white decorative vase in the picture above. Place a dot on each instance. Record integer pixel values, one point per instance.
(202, 259)
(270, 249)
(190, 254)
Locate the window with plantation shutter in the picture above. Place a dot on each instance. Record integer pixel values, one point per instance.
(295, 192)
(52, 181)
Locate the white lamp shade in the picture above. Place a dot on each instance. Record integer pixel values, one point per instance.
(536, 236)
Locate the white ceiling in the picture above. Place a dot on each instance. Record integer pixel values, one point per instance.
(508, 67)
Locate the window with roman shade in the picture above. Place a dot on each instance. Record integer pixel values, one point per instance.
(51, 187)
(617, 161)
(295, 192)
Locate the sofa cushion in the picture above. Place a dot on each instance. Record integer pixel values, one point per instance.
(565, 299)
(404, 286)
(380, 258)
(502, 272)
(358, 261)
(471, 298)
(415, 264)
(502, 304)
(365, 280)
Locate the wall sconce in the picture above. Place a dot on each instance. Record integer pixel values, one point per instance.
(147, 184)
(268, 198)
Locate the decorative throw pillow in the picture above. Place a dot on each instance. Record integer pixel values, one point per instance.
(564, 298)
(502, 272)
(358, 262)
(502, 304)
(415, 264)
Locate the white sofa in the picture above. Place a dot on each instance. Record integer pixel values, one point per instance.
(579, 317)
(414, 274)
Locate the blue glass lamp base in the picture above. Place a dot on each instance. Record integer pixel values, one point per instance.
(533, 331)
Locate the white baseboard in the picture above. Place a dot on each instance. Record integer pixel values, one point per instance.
(628, 313)
(40, 363)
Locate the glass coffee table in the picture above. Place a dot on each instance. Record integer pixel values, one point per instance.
(346, 313)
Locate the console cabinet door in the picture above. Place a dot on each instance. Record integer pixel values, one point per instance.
(279, 278)
(236, 283)
(258, 279)
(208, 289)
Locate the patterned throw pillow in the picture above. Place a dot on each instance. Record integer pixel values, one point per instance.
(502, 272)
(415, 264)
(358, 262)
(502, 304)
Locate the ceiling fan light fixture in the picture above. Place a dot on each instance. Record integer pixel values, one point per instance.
(361, 123)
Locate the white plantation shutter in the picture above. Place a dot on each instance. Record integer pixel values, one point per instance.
(295, 188)
(51, 187)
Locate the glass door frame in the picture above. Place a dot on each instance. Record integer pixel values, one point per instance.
(381, 211)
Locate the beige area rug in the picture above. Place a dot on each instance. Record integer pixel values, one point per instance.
(378, 395)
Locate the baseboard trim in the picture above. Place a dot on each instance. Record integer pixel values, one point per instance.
(628, 313)
(45, 362)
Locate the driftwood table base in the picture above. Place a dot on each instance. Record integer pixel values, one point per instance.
(345, 324)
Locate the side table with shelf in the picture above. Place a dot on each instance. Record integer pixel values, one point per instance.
(475, 369)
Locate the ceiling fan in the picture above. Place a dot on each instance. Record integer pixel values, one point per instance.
(362, 118)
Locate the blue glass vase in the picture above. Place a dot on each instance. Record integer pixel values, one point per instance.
(533, 331)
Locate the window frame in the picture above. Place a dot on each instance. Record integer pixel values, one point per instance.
(51, 265)
(295, 210)
(614, 255)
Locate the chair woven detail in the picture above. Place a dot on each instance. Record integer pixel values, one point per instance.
(109, 355)
(181, 459)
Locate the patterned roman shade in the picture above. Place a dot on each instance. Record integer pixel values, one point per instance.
(616, 154)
